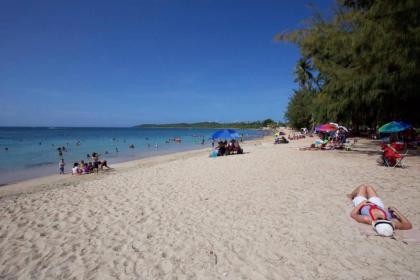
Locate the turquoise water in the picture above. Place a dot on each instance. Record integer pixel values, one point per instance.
(32, 152)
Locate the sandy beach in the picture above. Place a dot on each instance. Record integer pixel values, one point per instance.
(273, 213)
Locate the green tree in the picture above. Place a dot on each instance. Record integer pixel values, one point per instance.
(298, 111)
(367, 60)
(268, 122)
(303, 73)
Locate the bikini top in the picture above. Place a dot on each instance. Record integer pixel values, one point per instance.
(367, 210)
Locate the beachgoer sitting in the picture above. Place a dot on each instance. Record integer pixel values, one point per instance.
(86, 169)
(281, 140)
(321, 143)
(221, 149)
(369, 209)
(237, 147)
(229, 148)
(317, 145)
(75, 170)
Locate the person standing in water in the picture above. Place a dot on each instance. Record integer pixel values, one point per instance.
(61, 165)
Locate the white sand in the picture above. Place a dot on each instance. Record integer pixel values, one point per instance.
(273, 213)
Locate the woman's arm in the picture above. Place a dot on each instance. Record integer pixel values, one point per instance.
(360, 218)
(401, 222)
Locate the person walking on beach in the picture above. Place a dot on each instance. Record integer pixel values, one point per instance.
(61, 165)
(369, 209)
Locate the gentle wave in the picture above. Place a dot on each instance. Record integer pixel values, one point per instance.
(38, 164)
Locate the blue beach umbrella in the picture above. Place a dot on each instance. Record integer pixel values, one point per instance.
(225, 134)
(394, 127)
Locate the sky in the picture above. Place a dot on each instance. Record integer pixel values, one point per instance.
(122, 63)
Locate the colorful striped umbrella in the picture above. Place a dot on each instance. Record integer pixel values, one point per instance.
(328, 127)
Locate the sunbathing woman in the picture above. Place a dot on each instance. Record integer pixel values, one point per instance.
(369, 209)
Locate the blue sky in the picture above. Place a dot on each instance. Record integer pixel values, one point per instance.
(121, 63)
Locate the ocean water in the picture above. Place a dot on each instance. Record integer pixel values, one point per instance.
(32, 152)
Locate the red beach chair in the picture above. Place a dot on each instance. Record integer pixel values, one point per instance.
(391, 157)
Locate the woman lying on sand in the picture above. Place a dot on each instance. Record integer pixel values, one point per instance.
(369, 209)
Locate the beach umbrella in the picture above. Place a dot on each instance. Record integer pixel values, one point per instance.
(326, 128)
(225, 134)
(394, 127)
(343, 128)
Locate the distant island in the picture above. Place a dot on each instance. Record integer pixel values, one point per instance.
(240, 125)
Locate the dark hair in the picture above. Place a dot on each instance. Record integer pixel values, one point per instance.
(75, 164)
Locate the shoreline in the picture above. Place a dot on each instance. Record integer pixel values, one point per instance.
(44, 161)
(41, 183)
(47, 170)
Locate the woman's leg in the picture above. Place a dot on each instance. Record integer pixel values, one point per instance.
(358, 195)
(371, 192)
(373, 197)
(359, 191)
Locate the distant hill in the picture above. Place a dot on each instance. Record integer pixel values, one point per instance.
(243, 125)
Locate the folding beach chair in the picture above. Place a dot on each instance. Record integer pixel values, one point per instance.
(391, 157)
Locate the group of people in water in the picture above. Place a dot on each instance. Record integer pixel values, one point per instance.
(82, 167)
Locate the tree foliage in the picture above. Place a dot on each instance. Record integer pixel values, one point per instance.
(240, 125)
(269, 123)
(361, 67)
(299, 109)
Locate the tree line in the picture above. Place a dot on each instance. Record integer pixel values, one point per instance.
(239, 125)
(360, 67)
